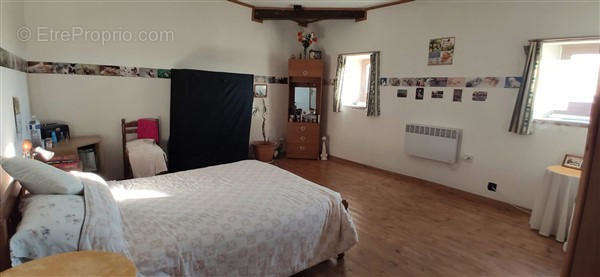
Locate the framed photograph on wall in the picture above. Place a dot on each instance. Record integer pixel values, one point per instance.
(260, 90)
(441, 51)
(457, 97)
(479, 95)
(419, 93)
(572, 161)
(403, 93)
(18, 118)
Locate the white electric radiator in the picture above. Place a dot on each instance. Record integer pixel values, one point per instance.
(431, 142)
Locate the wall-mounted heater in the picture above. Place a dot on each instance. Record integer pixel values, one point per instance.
(432, 142)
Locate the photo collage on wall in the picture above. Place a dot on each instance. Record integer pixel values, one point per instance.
(441, 52)
(457, 82)
(479, 84)
(457, 94)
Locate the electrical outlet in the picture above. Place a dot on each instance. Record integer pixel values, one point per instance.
(492, 186)
(468, 158)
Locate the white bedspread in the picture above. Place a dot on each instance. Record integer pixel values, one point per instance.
(245, 218)
(146, 158)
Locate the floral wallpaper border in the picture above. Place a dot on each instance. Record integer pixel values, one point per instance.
(12, 61)
(121, 71)
(469, 82)
(457, 82)
(95, 69)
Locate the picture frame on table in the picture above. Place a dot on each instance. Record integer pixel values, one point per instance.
(573, 161)
(260, 90)
(314, 54)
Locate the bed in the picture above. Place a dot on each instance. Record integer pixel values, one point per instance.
(243, 218)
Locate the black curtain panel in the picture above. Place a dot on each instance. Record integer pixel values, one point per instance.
(210, 118)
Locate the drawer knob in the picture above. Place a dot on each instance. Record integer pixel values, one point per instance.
(302, 128)
(305, 72)
(301, 148)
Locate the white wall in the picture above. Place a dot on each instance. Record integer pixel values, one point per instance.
(12, 17)
(216, 36)
(219, 36)
(489, 42)
(12, 84)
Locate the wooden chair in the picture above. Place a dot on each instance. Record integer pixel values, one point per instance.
(130, 128)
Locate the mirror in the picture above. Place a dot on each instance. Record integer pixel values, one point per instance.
(305, 99)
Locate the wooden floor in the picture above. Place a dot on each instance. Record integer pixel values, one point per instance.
(408, 227)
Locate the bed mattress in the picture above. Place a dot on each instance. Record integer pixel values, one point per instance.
(238, 219)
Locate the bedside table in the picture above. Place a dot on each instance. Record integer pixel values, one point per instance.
(552, 211)
(66, 153)
(81, 263)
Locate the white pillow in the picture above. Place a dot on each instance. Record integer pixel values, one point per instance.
(40, 178)
(51, 224)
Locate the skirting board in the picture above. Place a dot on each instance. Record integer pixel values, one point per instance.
(450, 190)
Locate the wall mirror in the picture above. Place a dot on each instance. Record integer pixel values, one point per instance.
(305, 100)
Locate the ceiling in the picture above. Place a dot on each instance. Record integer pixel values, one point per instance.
(317, 3)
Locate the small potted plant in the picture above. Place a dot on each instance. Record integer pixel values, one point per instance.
(306, 40)
(263, 150)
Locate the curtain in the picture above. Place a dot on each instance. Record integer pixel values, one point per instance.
(210, 118)
(522, 117)
(373, 107)
(337, 89)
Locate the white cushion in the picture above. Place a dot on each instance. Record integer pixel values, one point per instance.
(40, 178)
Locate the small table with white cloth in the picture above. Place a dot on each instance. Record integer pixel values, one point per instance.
(553, 208)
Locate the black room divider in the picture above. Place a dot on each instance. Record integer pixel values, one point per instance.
(210, 118)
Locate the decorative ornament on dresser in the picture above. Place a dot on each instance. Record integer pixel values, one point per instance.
(324, 149)
(306, 40)
(263, 150)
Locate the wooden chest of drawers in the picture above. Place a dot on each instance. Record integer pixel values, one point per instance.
(305, 93)
(303, 140)
(305, 68)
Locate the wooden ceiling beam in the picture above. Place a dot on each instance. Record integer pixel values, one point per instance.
(304, 16)
(387, 4)
(307, 14)
(242, 3)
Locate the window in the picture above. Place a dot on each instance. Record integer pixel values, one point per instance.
(355, 83)
(567, 80)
